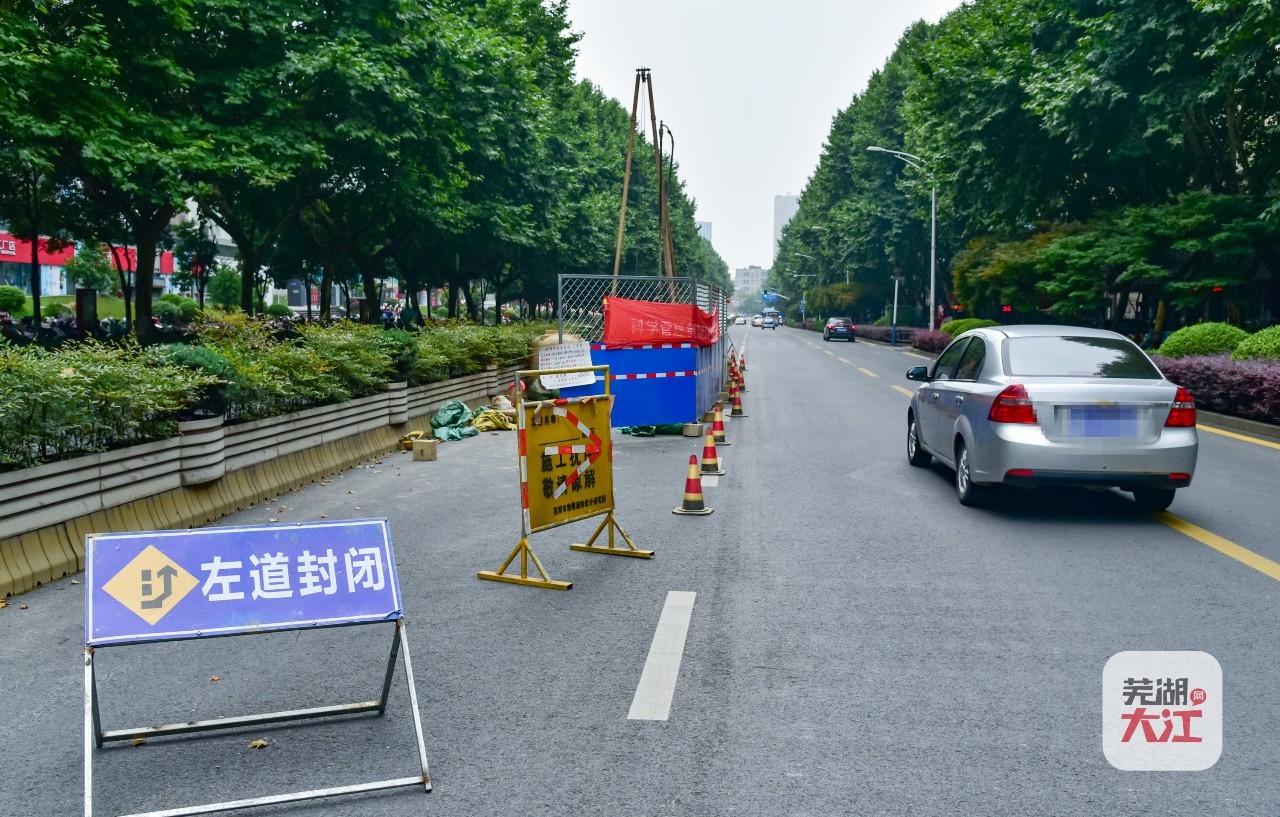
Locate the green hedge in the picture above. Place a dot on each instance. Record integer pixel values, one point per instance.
(89, 397)
(1203, 339)
(86, 398)
(960, 326)
(1264, 345)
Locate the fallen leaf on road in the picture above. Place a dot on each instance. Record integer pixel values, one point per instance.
(216, 678)
(324, 516)
(75, 581)
(273, 519)
(357, 507)
(257, 744)
(351, 492)
(139, 741)
(23, 607)
(3, 604)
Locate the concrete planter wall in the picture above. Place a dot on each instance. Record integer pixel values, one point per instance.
(203, 457)
(206, 472)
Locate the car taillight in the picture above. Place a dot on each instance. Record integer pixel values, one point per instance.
(1012, 406)
(1182, 414)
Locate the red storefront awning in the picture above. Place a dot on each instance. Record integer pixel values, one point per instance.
(18, 251)
(128, 256)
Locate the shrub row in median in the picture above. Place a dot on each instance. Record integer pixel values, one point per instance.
(91, 396)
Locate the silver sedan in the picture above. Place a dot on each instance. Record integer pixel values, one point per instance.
(1053, 405)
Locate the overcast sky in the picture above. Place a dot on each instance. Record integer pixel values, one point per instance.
(748, 88)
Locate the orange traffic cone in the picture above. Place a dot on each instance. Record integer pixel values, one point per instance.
(742, 379)
(693, 503)
(717, 427)
(737, 402)
(710, 460)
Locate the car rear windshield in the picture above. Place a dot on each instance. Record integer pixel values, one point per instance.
(834, 321)
(1066, 356)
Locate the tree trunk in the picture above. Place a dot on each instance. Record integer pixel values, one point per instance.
(372, 296)
(35, 280)
(249, 267)
(144, 274)
(147, 231)
(326, 290)
(126, 292)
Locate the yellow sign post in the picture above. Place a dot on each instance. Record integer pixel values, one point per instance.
(566, 475)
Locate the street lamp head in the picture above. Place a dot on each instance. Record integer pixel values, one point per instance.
(877, 149)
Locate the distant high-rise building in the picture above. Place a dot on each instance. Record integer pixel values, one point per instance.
(748, 280)
(704, 229)
(784, 207)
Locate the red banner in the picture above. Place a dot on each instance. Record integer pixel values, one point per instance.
(629, 324)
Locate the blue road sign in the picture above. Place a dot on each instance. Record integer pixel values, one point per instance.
(769, 297)
(169, 585)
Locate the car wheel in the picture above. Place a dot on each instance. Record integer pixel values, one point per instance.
(1153, 499)
(824, 336)
(916, 455)
(968, 492)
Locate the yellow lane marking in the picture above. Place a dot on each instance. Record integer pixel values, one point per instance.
(833, 354)
(913, 354)
(907, 392)
(842, 360)
(867, 372)
(1235, 436)
(1243, 555)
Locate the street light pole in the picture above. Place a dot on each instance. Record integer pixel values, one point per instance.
(802, 290)
(893, 331)
(918, 164)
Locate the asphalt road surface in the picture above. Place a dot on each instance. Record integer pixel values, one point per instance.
(854, 641)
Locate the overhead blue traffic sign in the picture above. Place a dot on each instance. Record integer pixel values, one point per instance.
(169, 585)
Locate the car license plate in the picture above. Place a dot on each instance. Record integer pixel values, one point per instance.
(1103, 421)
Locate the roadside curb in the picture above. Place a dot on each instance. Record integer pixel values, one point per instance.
(1230, 423)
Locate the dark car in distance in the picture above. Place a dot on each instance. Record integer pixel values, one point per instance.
(840, 328)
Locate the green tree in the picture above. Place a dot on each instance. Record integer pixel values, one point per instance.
(195, 252)
(90, 268)
(224, 288)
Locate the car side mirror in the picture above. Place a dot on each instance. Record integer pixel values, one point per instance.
(918, 373)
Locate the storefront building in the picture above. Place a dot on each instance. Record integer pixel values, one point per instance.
(15, 265)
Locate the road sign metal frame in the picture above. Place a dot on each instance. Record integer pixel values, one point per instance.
(95, 736)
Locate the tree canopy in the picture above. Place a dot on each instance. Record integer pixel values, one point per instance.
(1091, 160)
(443, 143)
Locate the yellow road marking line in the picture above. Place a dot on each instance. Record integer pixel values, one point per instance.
(833, 354)
(867, 372)
(907, 392)
(842, 360)
(1235, 436)
(1243, 555)
(913, 354)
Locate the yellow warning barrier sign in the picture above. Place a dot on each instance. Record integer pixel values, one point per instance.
(566, 474)
(566, 460)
